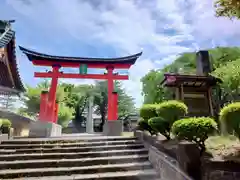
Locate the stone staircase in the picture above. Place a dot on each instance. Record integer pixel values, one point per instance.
(101, 158)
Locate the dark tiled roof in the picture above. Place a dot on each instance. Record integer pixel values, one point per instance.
(13, 65)
(6, 37)
(32, 55)
(171, 79)
(9, 75)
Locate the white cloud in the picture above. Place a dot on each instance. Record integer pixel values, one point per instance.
(163, 28)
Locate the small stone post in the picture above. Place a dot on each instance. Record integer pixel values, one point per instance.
(89, 124)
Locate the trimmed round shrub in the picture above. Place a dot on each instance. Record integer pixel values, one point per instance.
(5, 126)
(6, 123)
(230, 118)
(144, 126)
(194, 129)
(148, 111)
(172, 110)
(160, 125)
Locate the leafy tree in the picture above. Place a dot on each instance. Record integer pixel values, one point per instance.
(73, 100)
(152, 90)
(230, 75)
(32, 102)
(82, 94)
(125, 102)
(220, 57)
(65, 114)
(228, 8)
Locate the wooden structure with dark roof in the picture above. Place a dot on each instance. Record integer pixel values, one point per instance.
(10, 81)
(194, 90)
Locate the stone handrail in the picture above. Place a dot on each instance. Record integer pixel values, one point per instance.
(167, 167)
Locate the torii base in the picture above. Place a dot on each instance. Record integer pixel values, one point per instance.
(113, 128)
(44, 129)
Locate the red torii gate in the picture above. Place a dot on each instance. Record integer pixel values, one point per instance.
(49, 107)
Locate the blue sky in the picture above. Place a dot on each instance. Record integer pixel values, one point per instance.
(162, 29)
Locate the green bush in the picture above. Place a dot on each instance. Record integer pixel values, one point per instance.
(148, 111)
(5, 123)
(230, 118)
(160, 125)
(144, 126)
(194, 129)
(65, 114)
(172, 110)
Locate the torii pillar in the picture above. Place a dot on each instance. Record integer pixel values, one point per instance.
(112, 127)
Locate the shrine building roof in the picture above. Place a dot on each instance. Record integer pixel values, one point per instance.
(174, 80)
(10, 81)
(33, 55)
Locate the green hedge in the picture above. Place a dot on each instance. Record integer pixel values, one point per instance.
(194, 129)
(144, 126)
(5, 123)
(148, 111)
(160, 125)
(230, 118)
(172, 110)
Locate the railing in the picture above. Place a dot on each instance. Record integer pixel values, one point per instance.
(166, 167)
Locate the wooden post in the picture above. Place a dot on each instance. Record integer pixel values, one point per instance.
(209, 97)
(177, 95)
(181, 93)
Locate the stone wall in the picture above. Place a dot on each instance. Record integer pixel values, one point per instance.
(163, 159)
(44, 129)
(156, 142)
(220, 170)
(3, 137)
(188, 158)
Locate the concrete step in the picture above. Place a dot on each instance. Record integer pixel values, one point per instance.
(67, 144)
(72, 155)
(71, 149)
(45, 163)
(119, 175)
(6, 174)
(67, 140)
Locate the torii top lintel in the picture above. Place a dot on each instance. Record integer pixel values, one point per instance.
(41, 59)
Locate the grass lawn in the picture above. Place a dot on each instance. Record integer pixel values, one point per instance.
(223, 147)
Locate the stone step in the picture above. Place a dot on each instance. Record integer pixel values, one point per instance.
(45, 163)
(119, 175)
(71, 144)
(12, 173)
(71, 155)
(72, 149)
(67, 140)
